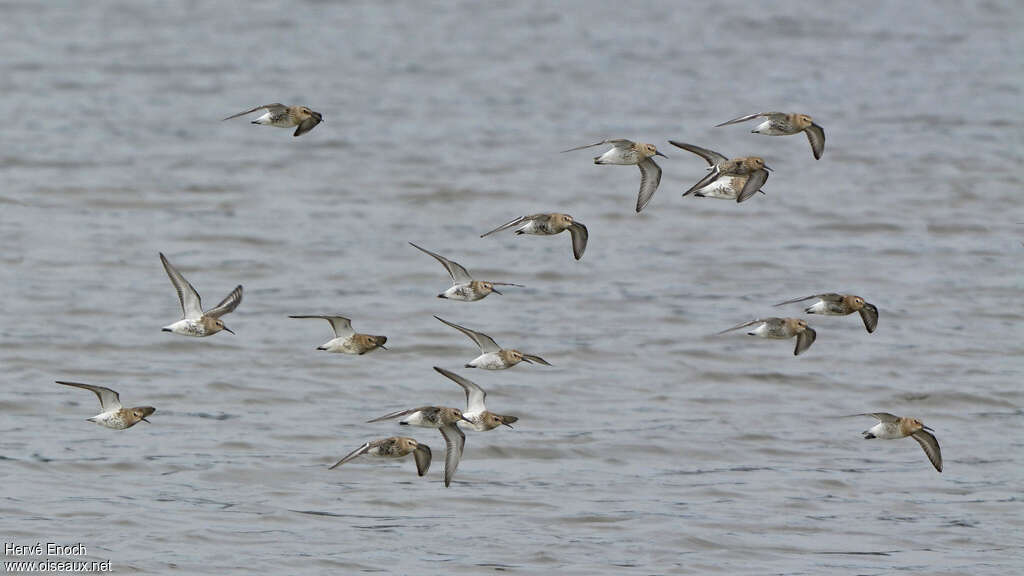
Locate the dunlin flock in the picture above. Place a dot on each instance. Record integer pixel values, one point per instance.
(735, 179)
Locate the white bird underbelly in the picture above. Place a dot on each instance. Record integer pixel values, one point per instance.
(617, 156)
(186, 327)
(822, 307)
(881, 430)
(341, 346)
(461, 292)
(768, 129)
(764, 331)
(532, 227)
(489, 361)
(417, 419)
(268, 119)
(111, 419)
(474, 423)
(726, 188)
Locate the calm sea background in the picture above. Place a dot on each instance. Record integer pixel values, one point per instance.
(651, 447)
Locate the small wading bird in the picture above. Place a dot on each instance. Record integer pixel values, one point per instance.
(346, 340)
(476, 412)
(628, 153)
(196, 322)
(752, 168)
(393, 447)
(283, 116)
(832, 304)
(464, 288)
(444, 420)
(781, 329)
(891, 427)
(113, 415)
(737, 187)
(783, 124)
(549, 225)
(492, 356)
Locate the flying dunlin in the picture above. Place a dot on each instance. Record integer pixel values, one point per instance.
(548, 225)
(444, 420)
(891, 427)
(285, 117)
(492, 356)
(725, 186)
(832, 304)
(195, 321)
(464, 288)
(476, 412)
(393, 447)
(782, 124)
(346, 340)
(781, 328)
(113, 415)
(627, 152)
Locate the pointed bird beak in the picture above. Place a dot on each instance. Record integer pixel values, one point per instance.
(927, 428)
(525, 359)
(461, 417)
(660, 154)
(146, 421)
(383, 347)
(495, 290)
(507, 424)
(229, 329)
(768, 169)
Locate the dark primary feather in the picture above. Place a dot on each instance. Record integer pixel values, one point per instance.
(869, 314)
(930, 446)
(816, 136)
(754, 183)
(804, 340)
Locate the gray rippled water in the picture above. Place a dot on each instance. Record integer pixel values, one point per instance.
(650, 447)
